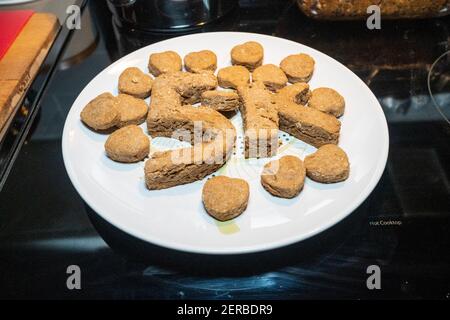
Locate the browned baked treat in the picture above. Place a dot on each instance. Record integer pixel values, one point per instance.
(128, 144)
(167, 117)
(190, 87)
(134, 82)
(357, 9)
(328, 164)
(204, 60)
(260, 121)
(298, 67)
(272, 76)
(298, 92)
(233, 77)
(225, 198)
(164, 62)
(101, 113)
(285, 177)
(249, 54)
(308, 124)
(221, 101)
(131, 110)
(327, 100)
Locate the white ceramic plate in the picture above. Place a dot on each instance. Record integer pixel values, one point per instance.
(175, 217)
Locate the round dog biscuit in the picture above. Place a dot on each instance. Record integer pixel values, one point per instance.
(131, 110)
(164, 62)
(225, 198)
(298, 67)
(101, 113)
(271, 75)
(249, 54)
(204, 60)
(134, 82)
(233, 77)
(327, 100)
(128, 144)
(285, 177)
(328, 164)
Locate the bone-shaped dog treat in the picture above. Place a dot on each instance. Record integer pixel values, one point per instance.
(220, 100)
(260, 120)
(307, 124)
(168, 116)
(190, 87)
(298, 92)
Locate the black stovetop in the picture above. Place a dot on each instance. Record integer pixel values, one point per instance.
(403, 227)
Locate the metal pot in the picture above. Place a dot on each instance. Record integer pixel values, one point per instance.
(168, 15)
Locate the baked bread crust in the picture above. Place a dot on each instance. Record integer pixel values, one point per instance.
(357, 9)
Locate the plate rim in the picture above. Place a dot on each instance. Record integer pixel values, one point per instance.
(378, 172)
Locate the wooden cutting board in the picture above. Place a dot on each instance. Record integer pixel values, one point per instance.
(20, 64)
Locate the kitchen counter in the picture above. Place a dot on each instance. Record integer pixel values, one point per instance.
(403, 227)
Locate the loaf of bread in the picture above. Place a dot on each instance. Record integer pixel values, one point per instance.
(357, 9)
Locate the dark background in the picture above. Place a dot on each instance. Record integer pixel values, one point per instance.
(45, 226)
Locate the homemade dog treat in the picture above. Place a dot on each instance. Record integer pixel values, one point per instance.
(285, 177)
(225, 198)
(190, 87)
(328, 164)
(164, 62)
(298, 67)
(131, 110)
(307, 124)
(249, 54)
(267, 105)
(101, 113)
(134, 82)
(298, 92)
(167, 116)
(204, 60)
(357, 9)
(233, 77)
(327, 100)
(220, 100)
(260, 119)
(127, 144)
(271, 75)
